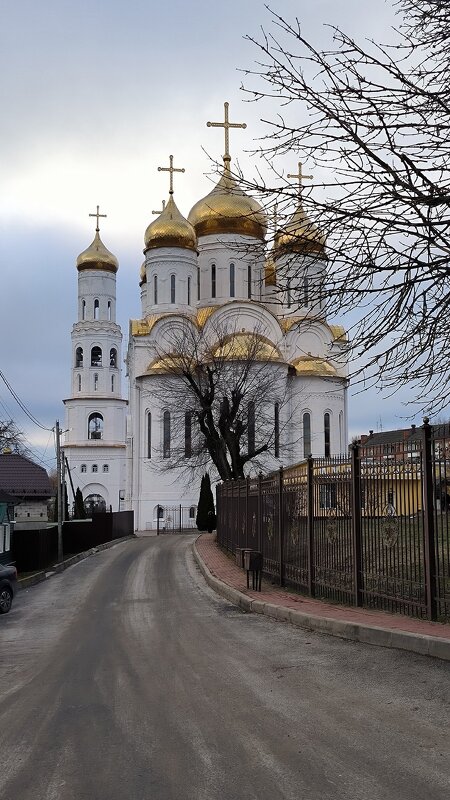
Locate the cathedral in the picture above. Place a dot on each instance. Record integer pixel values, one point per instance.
(209, 271)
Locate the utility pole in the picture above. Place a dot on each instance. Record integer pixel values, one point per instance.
(59, 490)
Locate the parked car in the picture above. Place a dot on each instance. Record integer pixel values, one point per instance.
(8, 587)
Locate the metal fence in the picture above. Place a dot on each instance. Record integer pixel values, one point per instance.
(369, 529)
(175, 519)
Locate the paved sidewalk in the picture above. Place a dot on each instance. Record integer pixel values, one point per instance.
(373, 627)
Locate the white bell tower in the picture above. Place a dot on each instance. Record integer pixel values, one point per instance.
(96, 412)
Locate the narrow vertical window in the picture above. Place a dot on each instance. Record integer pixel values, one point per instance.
(172, 288)
(326, 431)
(305, 291)
(95, 382)
(277, 430)
(155, 290)
(79, 383)
(232, 281)
(251, 427)
(112, 383)
(149, 435)
(189, 292)
(166, 434)
(109, 309)
(341, 432)
(198, 283)
(306, 435)
(249, 281)
(96, 309)
(83, 309)
(213, 280)
(289, 293)
(187, 434)
(113, 357)
(79, 357)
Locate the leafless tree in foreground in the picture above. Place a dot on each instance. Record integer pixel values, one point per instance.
(226, 399)
(11, 438)
(372, 122)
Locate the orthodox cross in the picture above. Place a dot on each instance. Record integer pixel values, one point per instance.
(163, 207)
(171, 169)
(301, 178)
(98, 215)
(227, 125)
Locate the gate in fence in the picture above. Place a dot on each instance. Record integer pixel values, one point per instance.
(175, 519)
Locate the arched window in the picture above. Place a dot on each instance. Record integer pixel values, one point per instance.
(155, 290)
(251, 427)
(83, 309)
(277, 430)
(95, 426)
(79, 383)
(341, 432)
(113, 357)
(96, 357)
(232, 280)
(149, 435)
(112, 383)
(109, 309)
(249, 281)
(187, 434)
(189, 291)
(96, 309)
(326, 433)
(166, 434)
(95, 381)
(83, 468)
(94, 468)
(172, 288)
(306, 434)
(213, 280)
(79, 357)
(105, 468)
(192, 512)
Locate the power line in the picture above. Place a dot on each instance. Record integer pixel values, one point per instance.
(22, 405)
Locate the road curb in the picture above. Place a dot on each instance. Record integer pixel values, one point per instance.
(38, 577)
(355, 631)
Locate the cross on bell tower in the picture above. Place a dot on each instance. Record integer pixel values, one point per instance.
(301, 178)
(171, 169)
(98, 215)
(226, 124)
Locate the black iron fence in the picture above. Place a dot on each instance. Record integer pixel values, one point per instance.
(369, 529)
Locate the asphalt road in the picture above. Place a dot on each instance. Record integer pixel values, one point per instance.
(127, 678)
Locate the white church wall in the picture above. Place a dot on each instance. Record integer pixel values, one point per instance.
(222, 251)
(97, 285)
(162, 264)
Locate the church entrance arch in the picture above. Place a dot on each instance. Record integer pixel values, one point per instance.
(94, 503)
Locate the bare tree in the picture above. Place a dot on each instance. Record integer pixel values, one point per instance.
(11, 438)
(374, 121)
(225, 392)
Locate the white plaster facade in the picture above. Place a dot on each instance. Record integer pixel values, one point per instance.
(94, 442)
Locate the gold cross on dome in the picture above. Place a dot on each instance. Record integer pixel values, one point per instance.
(301, 178)
(227, 125)
(171, 169)
(98, 215)
(163, 207)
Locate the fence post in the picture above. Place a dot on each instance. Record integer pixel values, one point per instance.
(238, 542)
(310, 525)
(260, 542)
(247, 480)
(356, 523)
(428, 521)
(281, 525)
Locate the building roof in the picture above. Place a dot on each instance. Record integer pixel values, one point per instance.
(411, 434)
(22, 478)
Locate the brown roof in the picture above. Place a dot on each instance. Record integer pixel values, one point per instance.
(22, 478)
(411, 434)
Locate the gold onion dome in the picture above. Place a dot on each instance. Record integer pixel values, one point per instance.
(300, 235)
(228, 209)
(312, 365)
(170, 229)
(97, 256)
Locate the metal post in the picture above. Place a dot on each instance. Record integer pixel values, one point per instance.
(247, 480)
(428, 521)
(310, 524)
(181, 525)
(260, 541)
(280, 525)
(59, 491)
(157, 520)
(63, 486)
(356, 523)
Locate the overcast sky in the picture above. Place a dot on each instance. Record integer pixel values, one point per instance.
(95, 95)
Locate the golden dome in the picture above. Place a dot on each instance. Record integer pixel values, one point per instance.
(311, 365)
(270, 272)
(97, 256)
(228, 209)
(300, 235)
(170, 229)
(247, 345)
(142, 275)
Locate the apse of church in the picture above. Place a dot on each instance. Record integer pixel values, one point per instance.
(210, 270)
